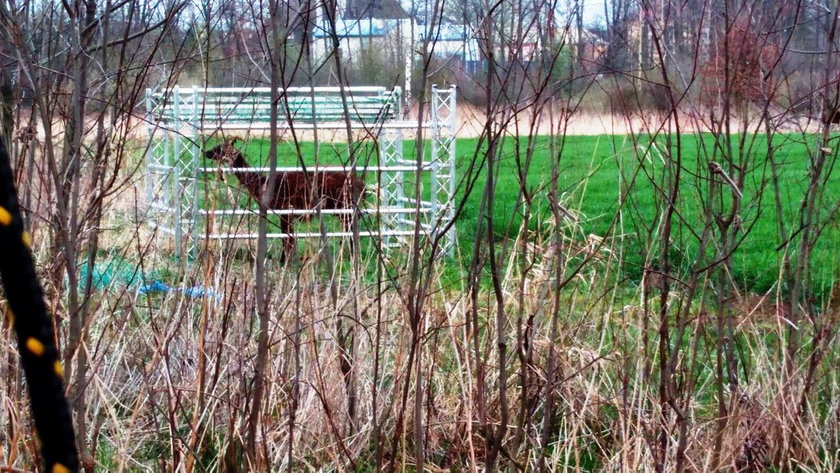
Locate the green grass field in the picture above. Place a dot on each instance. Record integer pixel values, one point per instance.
(595, 170)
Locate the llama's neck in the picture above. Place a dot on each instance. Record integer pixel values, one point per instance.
(251, 180)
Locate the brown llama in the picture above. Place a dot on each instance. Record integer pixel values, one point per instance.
(295, 189)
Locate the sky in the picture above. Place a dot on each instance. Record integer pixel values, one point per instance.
(593, 12)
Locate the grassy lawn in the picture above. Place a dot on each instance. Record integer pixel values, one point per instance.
(596, 170)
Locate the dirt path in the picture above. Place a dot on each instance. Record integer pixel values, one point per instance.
(471, 121)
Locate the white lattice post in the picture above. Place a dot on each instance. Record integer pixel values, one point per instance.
(177, 208)
(433, 219)
(194, 157)
(150, 152)
(397, 103)
(452, 236)
(443, 164)
(156, 162)
(409, 65)
(167, 185)
(392, 182)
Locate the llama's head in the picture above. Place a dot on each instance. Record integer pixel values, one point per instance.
(224, 152)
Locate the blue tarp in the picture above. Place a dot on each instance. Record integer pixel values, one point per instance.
(114, 273)
(119, 273)
(195, 291)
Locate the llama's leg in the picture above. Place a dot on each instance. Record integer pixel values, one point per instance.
(289, 241)
(346, 221)
(349, 222)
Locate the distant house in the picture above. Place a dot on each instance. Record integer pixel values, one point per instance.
(450, 39)
(593, 47)
(353, 34)
(389, 29)
(460, 41)
(363, 24)
(379, 9)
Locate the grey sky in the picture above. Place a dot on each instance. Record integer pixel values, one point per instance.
(593, 12)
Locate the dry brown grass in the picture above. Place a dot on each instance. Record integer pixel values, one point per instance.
(169, 371)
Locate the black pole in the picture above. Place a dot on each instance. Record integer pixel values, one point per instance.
(33, 326)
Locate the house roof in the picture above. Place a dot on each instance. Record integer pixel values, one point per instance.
(374, 9)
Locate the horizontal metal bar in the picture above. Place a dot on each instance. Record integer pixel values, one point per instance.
(185, 91)
(298, 119)
(409, 162)
(251, 236)
(160, 208)
(250, 112)
(354, 125)
(283, 125)
(406, 221)
(253, 113)
(299, 124)
(365, 211)
(313, 169)
(232, 104)
(293, 97)
(160, 167)
(423, 203)
(163, 229)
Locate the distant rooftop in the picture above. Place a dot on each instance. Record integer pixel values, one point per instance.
(374, 9)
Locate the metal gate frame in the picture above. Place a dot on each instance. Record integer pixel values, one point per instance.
(178, 118)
